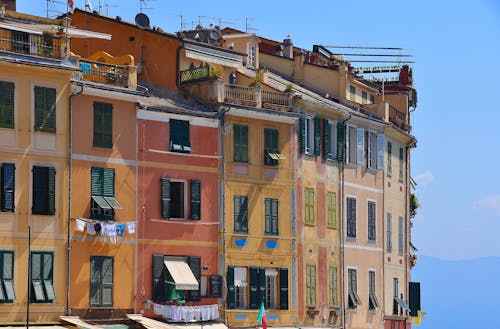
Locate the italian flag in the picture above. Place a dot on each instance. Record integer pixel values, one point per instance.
(261, 317)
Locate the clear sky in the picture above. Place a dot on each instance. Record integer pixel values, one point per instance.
(456, 46)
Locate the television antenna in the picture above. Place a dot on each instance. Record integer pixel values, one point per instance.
(142, 4)
(105, 5)
(249, 28)
(54, 8)
(220, 20)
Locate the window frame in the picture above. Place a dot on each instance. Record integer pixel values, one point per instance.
(102, 125)
(243, 223)
(102, 198)
(371, 222)
(309, 206)
(42, 113)
(401, 164)
(40, 205)
(333, 140)
(102, 284)
(6, 282)
(351, 221)
(179, 136)
(271, 292)
(7, 104)
(353, 300)
(184, 196)
(252, 56)
(401, 239)
(271, 221)
(240, 143)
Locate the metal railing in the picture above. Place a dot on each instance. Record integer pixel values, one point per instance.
(45, 45)
(195, 75)
(116, 75)
(277, 98)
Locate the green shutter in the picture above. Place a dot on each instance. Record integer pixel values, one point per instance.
(240, 140)
(340, 142)
(317, 136)
(302, 135)
(194, 263)
(326, 138)
(215, 286)
(262, 286)
(274, 216)
(158, 292)
(45, 109)
(107, 281)
(241, 214)
(195, 189)
(267, 215)
(230, 287)
(40, 189)
(51, 191)
(414, 298)
(271, 216)
(95, 281)
(6, 104)
(7, 187)
(389, 159)
(108, 182)
(165, 197)
(254, 288)
(103, 125)
(283, 289)
(36, 277)
(48, 274)
(96, 179)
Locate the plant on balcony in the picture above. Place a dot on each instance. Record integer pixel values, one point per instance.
(289, 86)
(215, 73)
(414, 205)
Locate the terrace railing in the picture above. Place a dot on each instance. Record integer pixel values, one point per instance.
(116, 75)
(44, 45)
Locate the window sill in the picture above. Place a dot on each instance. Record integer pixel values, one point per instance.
(103, 147)
(372, 242)
(333, 227)
(350, 239)
(309, 224)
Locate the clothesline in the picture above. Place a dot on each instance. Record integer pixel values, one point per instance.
(104, 229)
(187, 313)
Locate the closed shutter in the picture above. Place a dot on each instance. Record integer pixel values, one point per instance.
(95, 281)
(414, 298)
(195, 188)
(194, 263)
(97, 141)
(267, 215)
(360, 146)
(216, 286)
(8, 275)
(45, 109)
(158, 280)
(274, 216)
(51, 191)
(240, 139)
(36, 277)
(165, 197)
(389, 232)
(340, 142)
(302, 135)
(230, 287)
(380, 151)
(107, 125)
(262, 286)
(107, 281)
(389, 159)
(6, 104)
(326, 140)
(317, 136)
(254, 288)
(40, 180)
(8, 186)
(283, 289)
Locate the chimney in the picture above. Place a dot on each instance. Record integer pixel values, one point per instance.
(288, 48)
(9, 4)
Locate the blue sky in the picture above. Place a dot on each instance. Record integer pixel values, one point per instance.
(456, 46)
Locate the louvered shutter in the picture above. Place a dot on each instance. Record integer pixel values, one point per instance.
(97, 141)
(262, 286)
(267, 215)
(360, 146)
(48, 267)
(50, 94)
(165, 197)
(40, 188)
(45, 109)
(95, 281)
(8, 275)
(326, 139)
(283, 289)
(108, 182)
(36, 277)
(317, 136)
(8, 186)
(414, 298)
(51, 191)
(158, 292)
(195, 188)
(340, 142)
(302, 135)
(274, 216)
(96, 179)
(380, 151)
(230, 287)
(254, 288)
(107, 281)
(244, 214)
(107, 125)
(6, 104)
(194, 263)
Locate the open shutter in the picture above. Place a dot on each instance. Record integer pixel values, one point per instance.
(194, 263)
(380, 151)
(165, 197)
(158, 281)
(262, 286)
(230, 287)
(8, 275)
(195, 188)
(50, 99)
(95, 280)
(36, 277)
(283, 289)
(6, 104)
(317, 136)
(96, 178)
(326, 139)
(51, 191)
(8, 186)
(414, 298)
(340, 142)
(48, 275)
(254, 288)
(274, 216)
(107, 281)
(360, 146)
(302, 135)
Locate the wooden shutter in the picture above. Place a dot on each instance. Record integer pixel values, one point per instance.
(414, 298)
(389, 159)
(96, 178)
(400, 235)
(230, 287)
(274, 216)
(8, 275)
(317, 136)
(195, 189)
(40, 189)
(108, 182)
(360, 146)
(326, 139)
(340, 142)
(6, 104)
(389, 231)
(158, 292)
(240, 140)
(95, 280)
(302, 134)
(107, 281)
(262, 286)
(216, 286)
(283, 289)
(36, 277)
(8, 186)
(267, 215)
(51, 191)
(107, 125)
(48, 274)
(50, 94)
(194, 263)
(244, 213)
(380, 151)
(165, 197)
(254, 288)
(45, 109)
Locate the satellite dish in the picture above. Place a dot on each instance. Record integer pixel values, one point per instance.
(142, 20)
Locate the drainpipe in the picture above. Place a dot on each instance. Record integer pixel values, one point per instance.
(136, 253)
(70, 169)
(341, 226)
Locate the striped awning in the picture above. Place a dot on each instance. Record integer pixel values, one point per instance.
(182, 275)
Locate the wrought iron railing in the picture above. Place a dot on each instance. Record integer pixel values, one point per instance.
(195, 74)
(44, 45)
(116, 75)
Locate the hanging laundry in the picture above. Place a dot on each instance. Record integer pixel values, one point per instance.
(90, 228)
(98, 228)
(80, 225)
(120, 229)
(131, 228)
(110, 230)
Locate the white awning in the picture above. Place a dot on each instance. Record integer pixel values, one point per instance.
(150, 323)
(78, 322)
(20, 28)
(77, 33)
(214, 56)
(271, 272)
(182, 275)
(240, 277)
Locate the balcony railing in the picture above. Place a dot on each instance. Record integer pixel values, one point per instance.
(110, 74)
(257, 97)
(45, 45)
(271, 99)
(398, 118)
(195, 75)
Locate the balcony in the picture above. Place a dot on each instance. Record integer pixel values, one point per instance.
(41, 45)
(103, 68)
(195, 74)
(257, 97)
(398, 118)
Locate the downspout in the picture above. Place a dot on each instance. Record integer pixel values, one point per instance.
(70, 169)
(341, 224)
(136, 209)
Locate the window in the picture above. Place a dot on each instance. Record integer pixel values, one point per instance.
(271, 216)
(332, 209)
(179, 136)
(101, 281)
(8, 184)
(372, 296)
(251, 56)
(45, 109)
(389, 159)
(395, 284)
(7, 293)
(355, 138)
(174, 199)
(240, 140)
(352, 288)
(401, 239)
(240, 287)
(372, 99)
(310, 285)
(102, 194)
(375, 150)
(332, 286)
(309, 206)
(240, 214)
(271, 147)
(103, 125)
(401, 164)
(42, 277)
(351, 217)
(372, 220)
(308, 131)
(352, 93)
(330, 140)
(44, 190)
(364, 97)
(6, 104)
(389, 232)
(20, 42)
(271, 292)
(204, 286)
